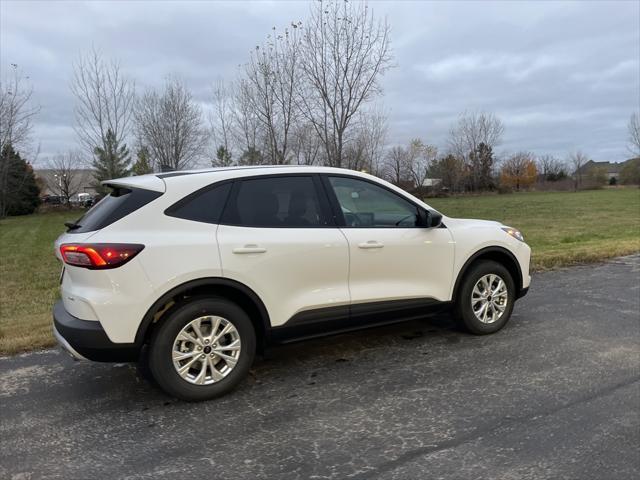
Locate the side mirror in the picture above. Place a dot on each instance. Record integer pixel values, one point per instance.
(430, 218)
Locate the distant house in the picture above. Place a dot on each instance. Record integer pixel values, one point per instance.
(612, 168)
(83, 178)
(431, 182)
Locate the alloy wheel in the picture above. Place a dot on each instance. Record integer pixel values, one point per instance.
(489, 298)
(206, 350)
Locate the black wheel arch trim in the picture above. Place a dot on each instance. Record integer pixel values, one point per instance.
(480, 253)
(147, 320)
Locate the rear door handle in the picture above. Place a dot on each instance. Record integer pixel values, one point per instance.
(370, 244)
(249, 249)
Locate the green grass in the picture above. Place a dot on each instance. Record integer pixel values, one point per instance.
(29, 275)
(562, 228)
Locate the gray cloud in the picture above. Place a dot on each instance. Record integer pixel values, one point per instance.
(562, 76)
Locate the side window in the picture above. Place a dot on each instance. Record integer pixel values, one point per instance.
(202, 206)
(366, 205)
(273, 202)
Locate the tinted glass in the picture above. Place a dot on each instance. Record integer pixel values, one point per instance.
(205, 205)
(275, 202)
(366, 205)
(120, 203)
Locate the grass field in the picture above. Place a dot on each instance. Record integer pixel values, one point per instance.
(562, 228)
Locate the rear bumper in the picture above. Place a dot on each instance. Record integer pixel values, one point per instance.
(85, 339)
(523, 292)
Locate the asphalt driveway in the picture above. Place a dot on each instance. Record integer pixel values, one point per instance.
(556, 394)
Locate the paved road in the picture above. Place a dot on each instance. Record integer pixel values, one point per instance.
(556, 394)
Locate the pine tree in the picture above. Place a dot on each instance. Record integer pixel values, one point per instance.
(21, 195)
(112, 161)
(481, 167)
(142, 165)
(251, 156)
(223, 157)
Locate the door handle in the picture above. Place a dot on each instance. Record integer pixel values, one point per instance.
(249, 249)
(370, 244)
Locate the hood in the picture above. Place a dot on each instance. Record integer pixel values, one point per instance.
(471, 222)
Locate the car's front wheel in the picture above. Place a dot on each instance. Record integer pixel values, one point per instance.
(485, 299)
(203, 349)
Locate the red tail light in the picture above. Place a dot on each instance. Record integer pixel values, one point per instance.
(97, 256)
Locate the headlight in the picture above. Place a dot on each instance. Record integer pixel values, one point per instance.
(514, 233)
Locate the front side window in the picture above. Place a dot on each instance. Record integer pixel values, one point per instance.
(275, 202)
(365, 205)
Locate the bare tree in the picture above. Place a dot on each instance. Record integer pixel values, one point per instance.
(246, 132)
(104, 101)
(170, 125)
(66, 180)
(16, 109)
(373, 131)
(577, 160)
(222, 116)
(344, 52)
(16, 115)
(396, 168)
(472, 129)
(420, 158)
(551, 168)
(273, 72)
(473, 138)
(634, 134)
(305, 145)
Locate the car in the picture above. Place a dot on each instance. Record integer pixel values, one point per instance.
(195, 272)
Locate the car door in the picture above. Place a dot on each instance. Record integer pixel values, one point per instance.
(277, 236)
(392, 257)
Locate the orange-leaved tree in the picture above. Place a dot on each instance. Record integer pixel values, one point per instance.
(519, 171)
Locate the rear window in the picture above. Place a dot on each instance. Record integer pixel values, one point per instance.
(118, 204)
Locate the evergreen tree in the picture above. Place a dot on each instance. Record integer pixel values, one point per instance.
(223, 157)
(142, 165)
(251, 156)
(112, 161)
(481, 167)
(21, 195)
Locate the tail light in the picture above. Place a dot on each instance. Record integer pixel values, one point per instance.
(99, 256)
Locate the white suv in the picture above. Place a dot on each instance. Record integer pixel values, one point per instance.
(201, 269)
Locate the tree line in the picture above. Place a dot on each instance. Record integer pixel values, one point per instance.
(309, 94)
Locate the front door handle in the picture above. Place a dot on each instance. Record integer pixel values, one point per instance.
(370, 244)
(249, 249)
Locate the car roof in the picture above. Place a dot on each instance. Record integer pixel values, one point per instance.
(159, 181)
(187, 181)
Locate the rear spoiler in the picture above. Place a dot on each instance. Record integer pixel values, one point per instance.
(145, 182)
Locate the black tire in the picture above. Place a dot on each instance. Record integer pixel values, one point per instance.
(161, 346)
(463, 308)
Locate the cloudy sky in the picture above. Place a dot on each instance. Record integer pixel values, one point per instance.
(561, 75)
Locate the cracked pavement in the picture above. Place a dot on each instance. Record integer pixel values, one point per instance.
(555, 394)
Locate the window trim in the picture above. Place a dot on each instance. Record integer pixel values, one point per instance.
(337, 209)
(327, 219)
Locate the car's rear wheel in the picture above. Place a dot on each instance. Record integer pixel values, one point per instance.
(203, 349)
(485, 299)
